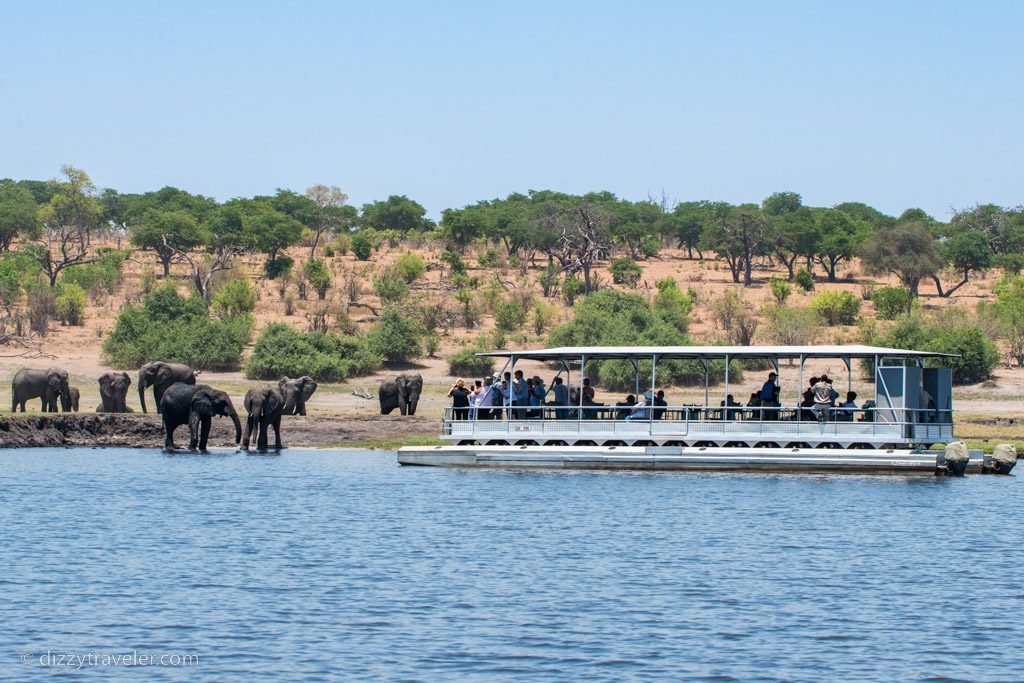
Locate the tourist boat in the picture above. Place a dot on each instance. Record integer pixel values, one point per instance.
(904, 426)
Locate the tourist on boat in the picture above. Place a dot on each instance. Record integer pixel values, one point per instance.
(929, 411)
(824, 398)
(807, 403)
(660, 405)
(754, 403)
(483, 400)
(560, 398)
(520, 396)
(846, 409)
(459, 395)
(642, 410)
(537, 393)
(733, 412)
(625, 407)
(588, 391)
(769, 396)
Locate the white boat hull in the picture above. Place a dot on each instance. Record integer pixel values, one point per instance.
(809, 460)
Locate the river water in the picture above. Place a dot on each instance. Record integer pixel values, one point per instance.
(315, 565)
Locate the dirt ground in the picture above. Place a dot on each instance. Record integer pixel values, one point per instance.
(348, 412)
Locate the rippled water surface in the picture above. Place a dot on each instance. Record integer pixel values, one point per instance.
(345, 565)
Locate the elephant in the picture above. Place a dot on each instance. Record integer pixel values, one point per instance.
(73, 395)
(114, 392)
(47, 385)
(195, 405)
(296, 393)
(402, 392)
(265, 407)
(160, 376)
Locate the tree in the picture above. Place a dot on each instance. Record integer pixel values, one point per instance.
(1008, 312)
(583, 236)
(838, 239)
(1002, 229)
(686, 223)
(268, 229)
(634, 224)
(225, 238)
(17, 214)
(461, 226)
(167, 233)
(397, 212)
(68, 221)
(909, 252)
(966, 252)
(794, 231)
(332, 214)
(737, 234)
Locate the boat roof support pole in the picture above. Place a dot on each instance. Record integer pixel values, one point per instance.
(636, 376)
(583, 365)
(726, 401)
(650, 406)
(704, 361)
(849, 374)
(800, 387)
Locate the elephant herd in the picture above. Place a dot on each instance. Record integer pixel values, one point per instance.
(178, 399)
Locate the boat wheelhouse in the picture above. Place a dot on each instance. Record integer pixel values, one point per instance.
(911, 406)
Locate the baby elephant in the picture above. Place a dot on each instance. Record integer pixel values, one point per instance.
(73, 395)
(265, 407)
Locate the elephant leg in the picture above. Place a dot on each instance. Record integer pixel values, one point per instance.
(261, 441)
(204, 432)
(277, 433)
(402, 407)
(157, 395)
(247, 433)
(169, 435)
(193, 430)
(300, 407)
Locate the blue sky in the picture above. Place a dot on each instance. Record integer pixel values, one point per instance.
(896, 104)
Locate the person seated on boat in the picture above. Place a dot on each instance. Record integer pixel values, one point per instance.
(537, 393)
(588, 391)
(769, 396)
(869, 411)
(753, 402)
(459, 395)
(846, 409)
(824, 398)
(590, 408)
(642, 410)
(625, 407)
(560, 398)
(731, 413)
(660, 405)
(807, 402)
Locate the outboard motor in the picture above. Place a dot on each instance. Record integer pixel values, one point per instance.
(953, 463)
(1004, 457)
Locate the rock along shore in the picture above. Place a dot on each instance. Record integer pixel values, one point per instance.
(24, 430)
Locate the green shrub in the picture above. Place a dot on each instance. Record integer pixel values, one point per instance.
(952, 331)
(16, 270)
(326, 357)
(891, 302)
(100, 277)
(341, 244)
(650, 246)
(466, 363)
(509, 316)
(780, 290)
(390, 286)
(362, 246)
(278, 266)
(397, 337)
(234, 298)
(411, 267)
(70, 304)
(790, 326)
(804, 279)
(672, 305)
(174, 328)
(572, 287)
(315, 272)
(488, 259)
(455, 262)
(1011, 263)
(837, 308)
(625, 271)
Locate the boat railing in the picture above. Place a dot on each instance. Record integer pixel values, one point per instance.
(889, 424)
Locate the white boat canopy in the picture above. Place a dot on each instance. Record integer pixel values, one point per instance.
(706, 352)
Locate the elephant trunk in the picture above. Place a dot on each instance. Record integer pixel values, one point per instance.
(65, 397)
(142, 392)
(413, 400)
(238, 425)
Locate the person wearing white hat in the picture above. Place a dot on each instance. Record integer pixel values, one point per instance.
(642, 409)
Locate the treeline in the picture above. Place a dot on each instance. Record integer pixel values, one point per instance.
(571, 243)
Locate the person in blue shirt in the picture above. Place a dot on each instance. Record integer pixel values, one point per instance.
(520, 396)
(769, 396)
(537, 393)
(560, 398)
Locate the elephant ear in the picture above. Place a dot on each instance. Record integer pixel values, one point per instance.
(54, 380)
(284, 381)
(127, 378)
(162, 375)
(105, 380)
(309, 385)
(202, 403)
